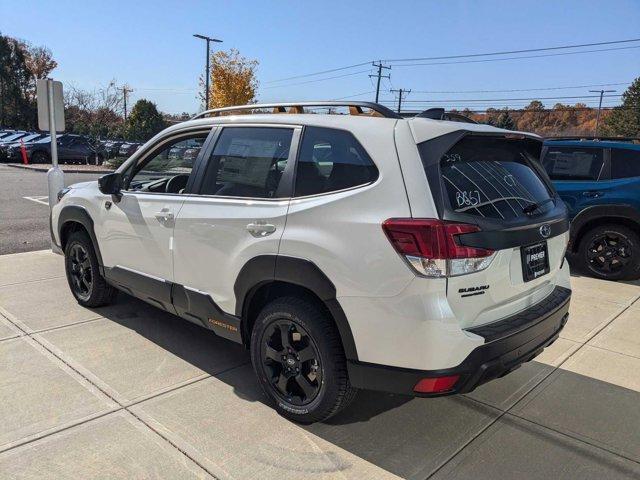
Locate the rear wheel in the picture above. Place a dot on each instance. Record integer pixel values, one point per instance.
(611, 252)
(299, 361)
(87, 285)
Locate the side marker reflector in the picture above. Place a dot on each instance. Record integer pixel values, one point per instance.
(436, 385)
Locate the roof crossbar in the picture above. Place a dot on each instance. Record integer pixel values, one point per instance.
(355, 108)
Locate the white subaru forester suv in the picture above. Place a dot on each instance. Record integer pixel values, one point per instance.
(363, 250)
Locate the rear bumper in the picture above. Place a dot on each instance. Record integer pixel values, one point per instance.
(508, 344)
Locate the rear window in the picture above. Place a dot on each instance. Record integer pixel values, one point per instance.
(625, 163)
(573, 163)
(493, 178)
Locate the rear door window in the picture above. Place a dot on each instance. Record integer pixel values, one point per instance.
(492, 177)
(573, 163)
(625, 163)
(248, 162)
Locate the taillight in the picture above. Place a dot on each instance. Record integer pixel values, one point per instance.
(432, 249)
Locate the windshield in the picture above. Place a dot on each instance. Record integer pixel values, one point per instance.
(14, 136)
(493, 177)
(46, 139)
(28, 138)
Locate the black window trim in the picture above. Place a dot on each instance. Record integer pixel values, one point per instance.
(156, 147)
(285, 188)
(332, 192)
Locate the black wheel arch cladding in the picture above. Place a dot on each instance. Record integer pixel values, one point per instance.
(77, 214)
(265, 269)
(597, 215)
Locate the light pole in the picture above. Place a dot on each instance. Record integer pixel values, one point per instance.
(601, 92)
(208, 40)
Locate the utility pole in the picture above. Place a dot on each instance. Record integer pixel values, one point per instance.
(125, 91)
(601, 92)
(400, 92)
(379, 75)
(206, 73)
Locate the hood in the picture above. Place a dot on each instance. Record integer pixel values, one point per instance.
(80, 185)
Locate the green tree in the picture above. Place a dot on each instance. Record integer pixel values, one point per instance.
(505, 121)
(144, 121)
(17, 107)
(625, 120)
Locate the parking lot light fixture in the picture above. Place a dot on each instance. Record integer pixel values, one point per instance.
(208, 40)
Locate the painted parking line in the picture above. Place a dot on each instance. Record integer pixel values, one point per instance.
(42, 199)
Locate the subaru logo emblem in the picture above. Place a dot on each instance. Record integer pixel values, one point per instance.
(545, 231)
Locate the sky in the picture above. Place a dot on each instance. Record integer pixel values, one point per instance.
(149, 46)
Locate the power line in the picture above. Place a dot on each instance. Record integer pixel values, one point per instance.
(524, 89)
(542, 110)
(355, 95)
(469, 55)
(316, 80)
(511, 52)
(509, 99)
(513, 58)
(319, 73)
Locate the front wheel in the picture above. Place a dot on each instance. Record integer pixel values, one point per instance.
(87, 285)
(299, 361)
(611, 252)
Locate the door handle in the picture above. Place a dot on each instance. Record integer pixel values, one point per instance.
(164, 215)
(592, 194)
(260, 229)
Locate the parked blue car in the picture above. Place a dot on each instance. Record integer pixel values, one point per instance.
(599, 180)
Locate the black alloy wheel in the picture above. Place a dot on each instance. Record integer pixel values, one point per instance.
(291, 361)
(86, 282)
(611, 252)
(80, 271)
(299, 361)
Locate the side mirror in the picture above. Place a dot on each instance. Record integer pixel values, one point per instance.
(110, 184)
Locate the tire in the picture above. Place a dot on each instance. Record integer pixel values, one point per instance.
(87, 285)
(39, 157)
(610, 252)
(321, 363)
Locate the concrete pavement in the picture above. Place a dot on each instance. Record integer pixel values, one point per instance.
(128, 391)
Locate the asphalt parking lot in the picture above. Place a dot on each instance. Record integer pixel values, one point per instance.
(24, 210)
(128, 391)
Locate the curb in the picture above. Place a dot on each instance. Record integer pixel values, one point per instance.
(45, 168)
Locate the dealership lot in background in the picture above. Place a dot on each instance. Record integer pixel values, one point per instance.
(25, 222)
(130, 391)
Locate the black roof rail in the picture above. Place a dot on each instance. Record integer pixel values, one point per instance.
(355, 108)
(440, 114)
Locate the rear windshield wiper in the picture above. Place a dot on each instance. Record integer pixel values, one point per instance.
(529, 209)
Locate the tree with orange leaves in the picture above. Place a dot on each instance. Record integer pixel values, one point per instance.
(233, 79)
